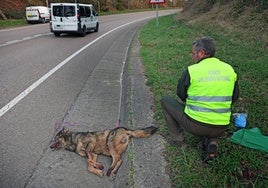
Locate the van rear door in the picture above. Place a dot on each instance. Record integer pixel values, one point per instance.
(32, 14)
(64, 17)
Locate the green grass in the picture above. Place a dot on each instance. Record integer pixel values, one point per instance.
(12, 23)
(165, 52)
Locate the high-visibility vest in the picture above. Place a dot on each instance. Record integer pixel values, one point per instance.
(210, 92)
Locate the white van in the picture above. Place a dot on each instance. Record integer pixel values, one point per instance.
(35, 14)
(73, 18)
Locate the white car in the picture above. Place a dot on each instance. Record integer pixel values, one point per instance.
(37, 14)
(73, 18)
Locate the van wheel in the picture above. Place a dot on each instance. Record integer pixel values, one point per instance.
(56, 34)
(96, 28)
(84, 31)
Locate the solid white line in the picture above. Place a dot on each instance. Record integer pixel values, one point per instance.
(117, 124)
(23, 94)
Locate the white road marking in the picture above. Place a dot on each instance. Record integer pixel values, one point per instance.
(24, 39)
(23, 94)
(12, 42)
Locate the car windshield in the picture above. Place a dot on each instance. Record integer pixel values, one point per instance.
(63, 11)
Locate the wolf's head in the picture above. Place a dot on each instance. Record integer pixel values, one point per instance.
(60, 140)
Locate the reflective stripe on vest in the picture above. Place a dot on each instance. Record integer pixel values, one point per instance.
(202, 109)
(211, 98)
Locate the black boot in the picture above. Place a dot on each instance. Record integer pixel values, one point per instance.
(211, 150)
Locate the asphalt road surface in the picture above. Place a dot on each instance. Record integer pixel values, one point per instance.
(46, 79)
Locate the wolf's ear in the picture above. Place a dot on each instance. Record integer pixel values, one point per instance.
(65, 130)
(57, 126)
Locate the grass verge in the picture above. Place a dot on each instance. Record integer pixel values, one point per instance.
(165, 52)
(12, 23)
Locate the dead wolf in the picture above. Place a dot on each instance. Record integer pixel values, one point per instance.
(90, 144)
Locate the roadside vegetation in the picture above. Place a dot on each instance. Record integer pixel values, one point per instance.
(166, 52)
(12, 23)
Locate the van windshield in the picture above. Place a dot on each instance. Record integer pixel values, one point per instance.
(63, 11)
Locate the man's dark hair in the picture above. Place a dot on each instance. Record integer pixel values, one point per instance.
(207, 44)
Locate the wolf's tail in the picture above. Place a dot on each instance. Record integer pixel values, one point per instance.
(142, 133)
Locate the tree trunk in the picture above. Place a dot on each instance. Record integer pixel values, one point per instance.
(3, 15)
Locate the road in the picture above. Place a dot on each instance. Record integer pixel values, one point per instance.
(42, 79)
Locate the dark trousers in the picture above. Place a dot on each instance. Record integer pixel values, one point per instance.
(177, 121)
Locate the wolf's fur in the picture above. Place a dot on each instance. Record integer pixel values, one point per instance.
(90, 144)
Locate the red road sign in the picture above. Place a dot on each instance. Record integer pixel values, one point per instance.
(157, 1)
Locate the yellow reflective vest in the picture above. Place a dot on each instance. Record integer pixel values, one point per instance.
(210, 92)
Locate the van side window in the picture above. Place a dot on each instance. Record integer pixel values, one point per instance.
(69, 11)
(82, 11)
(88, 11)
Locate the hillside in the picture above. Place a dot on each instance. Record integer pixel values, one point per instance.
(249, 16)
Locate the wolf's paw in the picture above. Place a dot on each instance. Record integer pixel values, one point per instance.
(101, 174)
(109, 171)
(100, 166)
(96, 171)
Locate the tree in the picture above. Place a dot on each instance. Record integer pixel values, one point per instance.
(2, 15)
(36, 2)
(10, 7)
